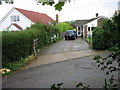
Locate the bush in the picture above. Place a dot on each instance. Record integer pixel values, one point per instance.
(17, 45)
(97, 39)
(107, 36)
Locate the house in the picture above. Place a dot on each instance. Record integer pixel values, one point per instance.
(84, 27)
(117, 12)
(20, 19)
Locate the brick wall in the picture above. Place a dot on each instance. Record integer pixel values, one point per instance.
(99, 22)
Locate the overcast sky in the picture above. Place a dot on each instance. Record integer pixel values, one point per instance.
(78, 9)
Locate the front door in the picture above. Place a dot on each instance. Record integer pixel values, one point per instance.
(79, 31)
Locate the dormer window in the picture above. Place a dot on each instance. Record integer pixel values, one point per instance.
(15, 18)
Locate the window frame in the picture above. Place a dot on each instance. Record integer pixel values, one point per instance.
(15, 18)
(89, 29)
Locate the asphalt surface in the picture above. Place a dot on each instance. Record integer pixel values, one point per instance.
(63, 50)
(66, 46)
(69, 72)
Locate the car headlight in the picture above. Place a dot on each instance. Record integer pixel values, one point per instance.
(70, 35)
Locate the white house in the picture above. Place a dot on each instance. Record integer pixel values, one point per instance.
(88, 27)
(84, 27)
(20, 19)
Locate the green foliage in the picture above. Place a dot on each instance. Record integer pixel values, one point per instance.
(7, 1)
(17, 45)
(116, 20)
(80, 85)
(96, 57)
(58, 6)
(105, 62)
(48, 2)
(89, 40)
(18, 65)
(56, 86)
(107, 36)
(110, 84)
(99, 39)
(63, 27)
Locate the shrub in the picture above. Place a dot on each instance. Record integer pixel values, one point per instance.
(98, 39)
(17, 45)
(107, 36)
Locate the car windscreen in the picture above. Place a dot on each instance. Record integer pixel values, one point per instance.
(69, 32)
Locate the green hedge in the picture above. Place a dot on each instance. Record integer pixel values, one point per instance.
(101, 39)
(17, 45)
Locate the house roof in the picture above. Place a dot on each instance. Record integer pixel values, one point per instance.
(82, 22)
(16, 25)
(35, 16)
(117, 12)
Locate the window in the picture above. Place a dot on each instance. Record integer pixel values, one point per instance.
(74, 31)
(88, 28)
(15, 18)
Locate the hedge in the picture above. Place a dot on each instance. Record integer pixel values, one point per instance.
(17, 45)
(103, 39)
(100, 39)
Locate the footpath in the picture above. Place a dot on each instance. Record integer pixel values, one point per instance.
(53, 58)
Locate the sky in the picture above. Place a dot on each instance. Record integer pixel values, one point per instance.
(75, 10)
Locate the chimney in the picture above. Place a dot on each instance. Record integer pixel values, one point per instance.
(57, 18)
(97, 14)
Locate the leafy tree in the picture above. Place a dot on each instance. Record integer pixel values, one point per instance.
(64, 26)
(58, 6)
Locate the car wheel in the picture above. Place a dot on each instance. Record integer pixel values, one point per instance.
(65, 38)
(74, 38)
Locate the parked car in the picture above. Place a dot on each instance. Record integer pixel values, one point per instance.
(70, 34)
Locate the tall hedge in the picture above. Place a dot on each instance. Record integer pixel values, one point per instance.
(19, 44)
(108, 36)
(100, 40)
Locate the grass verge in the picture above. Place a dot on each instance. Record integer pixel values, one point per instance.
(18, 65)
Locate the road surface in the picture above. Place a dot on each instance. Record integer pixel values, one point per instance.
(70, 72)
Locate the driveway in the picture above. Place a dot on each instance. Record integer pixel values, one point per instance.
(66, 46)
(68, 62)
(62, 51)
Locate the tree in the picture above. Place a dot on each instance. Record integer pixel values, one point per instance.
(58, 6)
(63, 27)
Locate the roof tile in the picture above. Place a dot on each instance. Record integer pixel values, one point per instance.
(35, 16)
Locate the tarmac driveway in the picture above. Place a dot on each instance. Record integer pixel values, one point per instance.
(68, 62)
(62, 51)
